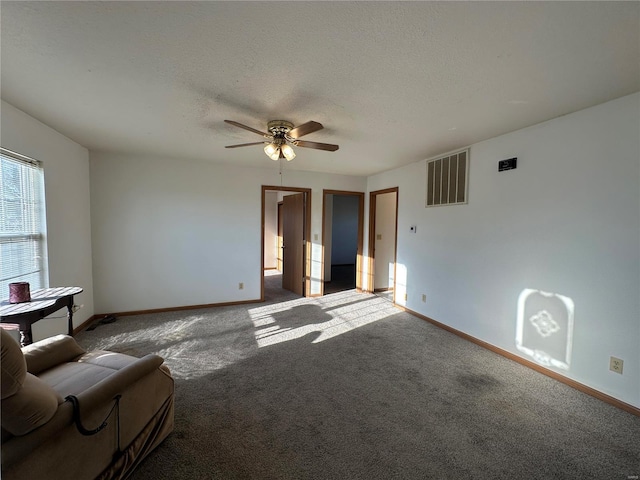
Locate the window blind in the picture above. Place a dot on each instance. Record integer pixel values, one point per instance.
(22, 222)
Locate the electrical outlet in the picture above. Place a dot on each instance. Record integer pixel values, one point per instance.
(379, 236)
(315, 237)
(424, 298)
(240, 286)
(615, 365)
(405, 297)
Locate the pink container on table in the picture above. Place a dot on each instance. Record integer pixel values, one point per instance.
(19, 292)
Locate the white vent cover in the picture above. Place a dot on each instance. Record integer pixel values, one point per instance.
(447, 179)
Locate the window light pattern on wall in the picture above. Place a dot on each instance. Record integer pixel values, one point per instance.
(447, 179)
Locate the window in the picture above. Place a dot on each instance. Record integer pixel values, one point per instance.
(22, 222)
(447, 179)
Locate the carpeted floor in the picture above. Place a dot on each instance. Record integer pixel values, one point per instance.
(348, 387)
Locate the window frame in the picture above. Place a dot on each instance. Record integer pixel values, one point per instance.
(36, 205)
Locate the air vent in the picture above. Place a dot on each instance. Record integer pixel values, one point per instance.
(447, 179)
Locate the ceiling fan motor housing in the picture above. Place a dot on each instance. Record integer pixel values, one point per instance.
(279, 128)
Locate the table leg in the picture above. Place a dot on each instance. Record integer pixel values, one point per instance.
(25, 337)
(70, 316)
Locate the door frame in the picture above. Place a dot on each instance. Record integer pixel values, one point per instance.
(307, 236)
(360, 245)
(371, 273)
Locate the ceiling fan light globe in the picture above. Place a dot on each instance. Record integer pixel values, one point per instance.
(276, 155)
(288, 152)
(272, 151)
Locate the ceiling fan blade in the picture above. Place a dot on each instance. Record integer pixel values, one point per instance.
(305, 129)
(231, 122)
(245, 144)
(318, 146)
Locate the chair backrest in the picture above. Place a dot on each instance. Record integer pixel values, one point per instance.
(27, 402)
(14, 366)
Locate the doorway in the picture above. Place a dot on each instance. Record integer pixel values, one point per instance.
(293, 243)
(342, 240)
(286, 213)
(383, 239)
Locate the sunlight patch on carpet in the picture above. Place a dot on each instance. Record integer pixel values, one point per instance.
(323, 318)
(192, 347)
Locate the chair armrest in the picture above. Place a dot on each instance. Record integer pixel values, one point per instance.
(48, 353)
(106, 390)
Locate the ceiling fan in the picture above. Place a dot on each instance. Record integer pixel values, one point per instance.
(282, 135)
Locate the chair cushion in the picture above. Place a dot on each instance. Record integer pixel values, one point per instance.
(31, 406)
(73, 378)
(50, 352)
(14, 366)
(106, 359)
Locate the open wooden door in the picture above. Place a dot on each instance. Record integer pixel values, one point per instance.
(279, 240)
(383, 240)
(293, 243)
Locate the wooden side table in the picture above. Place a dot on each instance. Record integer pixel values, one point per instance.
(43, 303)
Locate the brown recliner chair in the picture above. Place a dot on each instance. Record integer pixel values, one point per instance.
(69, 414)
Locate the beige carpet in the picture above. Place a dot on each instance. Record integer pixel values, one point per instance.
(348, 387)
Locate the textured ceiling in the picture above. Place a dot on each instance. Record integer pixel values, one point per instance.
(392, 82)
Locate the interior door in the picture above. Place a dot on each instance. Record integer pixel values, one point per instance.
(293, 243)
(383, 240)
(279, 242)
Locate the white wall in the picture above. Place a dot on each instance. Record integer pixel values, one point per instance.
(566, 221)
(173, 232)
(66, 176)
